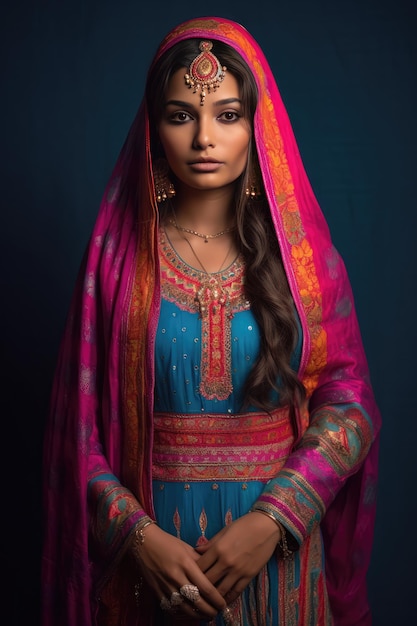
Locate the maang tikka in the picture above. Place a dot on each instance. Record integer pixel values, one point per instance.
(205, 72)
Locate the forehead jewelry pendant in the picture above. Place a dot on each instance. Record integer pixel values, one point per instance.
(205, 72)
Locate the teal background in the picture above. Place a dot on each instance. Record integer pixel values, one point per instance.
(72, 78)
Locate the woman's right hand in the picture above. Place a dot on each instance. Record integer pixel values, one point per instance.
(167, 564)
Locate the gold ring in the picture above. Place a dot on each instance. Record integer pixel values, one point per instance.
(190, 592)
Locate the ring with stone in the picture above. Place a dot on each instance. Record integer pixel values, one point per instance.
(176, 599)
(165, 604)
(190, 592)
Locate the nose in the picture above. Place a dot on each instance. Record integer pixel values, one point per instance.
(204, 136)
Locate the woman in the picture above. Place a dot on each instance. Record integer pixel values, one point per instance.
(211, 455)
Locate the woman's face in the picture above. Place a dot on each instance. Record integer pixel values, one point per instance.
(205, 146)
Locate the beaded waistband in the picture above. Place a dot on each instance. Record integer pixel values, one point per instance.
(244, 446)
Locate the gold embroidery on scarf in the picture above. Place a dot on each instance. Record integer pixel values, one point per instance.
(136, 407)
(302, 257)
(197, 25)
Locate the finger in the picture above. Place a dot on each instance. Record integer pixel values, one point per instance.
(232, 595)
(171, 603)
(207, 590)
(228, 617)
(176, 599)
(206, 561)
(203, 548)
(203, 596)
(212, 569)
(230, 588)
(190, 592)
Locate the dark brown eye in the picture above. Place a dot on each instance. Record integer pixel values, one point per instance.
(179, 117)
(229, 116)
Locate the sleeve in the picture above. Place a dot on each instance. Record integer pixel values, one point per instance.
(331, 450)
(342, 418)
(113, 510)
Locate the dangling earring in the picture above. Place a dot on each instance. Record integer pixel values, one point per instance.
(163, 186)
(253, 190)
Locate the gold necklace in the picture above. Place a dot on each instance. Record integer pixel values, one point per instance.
(211, 292)
(197, 234)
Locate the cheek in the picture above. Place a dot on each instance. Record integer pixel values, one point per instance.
(242, 149)
(173, 156)
(171, 142)
(172, 151)
(242, 141)
(165, 143)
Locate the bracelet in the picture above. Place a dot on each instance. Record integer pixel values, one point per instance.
(282, 543)
(140, 540)
(137, 588)
(139, 534)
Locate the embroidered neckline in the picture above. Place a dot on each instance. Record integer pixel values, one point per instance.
(188, 288)
(233, 271)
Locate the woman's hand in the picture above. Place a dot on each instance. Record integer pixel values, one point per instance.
(167, 563)
(238, 552)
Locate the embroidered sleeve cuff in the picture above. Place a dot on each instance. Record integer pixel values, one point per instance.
(115, 514)
(296, 509)
(332, 449)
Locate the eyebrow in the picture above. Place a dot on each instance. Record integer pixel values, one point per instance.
(223, 102)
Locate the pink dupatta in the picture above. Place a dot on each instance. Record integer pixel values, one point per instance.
(104, 380)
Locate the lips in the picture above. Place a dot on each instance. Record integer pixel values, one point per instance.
(205, 165)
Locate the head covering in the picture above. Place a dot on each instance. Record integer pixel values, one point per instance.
(104, 379)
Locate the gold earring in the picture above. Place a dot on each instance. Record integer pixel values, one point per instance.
(164, 188)
(253, 190)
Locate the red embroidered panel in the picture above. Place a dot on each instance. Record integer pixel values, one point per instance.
(216, 298)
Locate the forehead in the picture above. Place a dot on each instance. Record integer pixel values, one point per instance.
(177, 89)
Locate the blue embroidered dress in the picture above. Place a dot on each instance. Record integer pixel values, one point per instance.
(210, 461)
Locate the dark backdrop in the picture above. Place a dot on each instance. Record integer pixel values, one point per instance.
(72, 78)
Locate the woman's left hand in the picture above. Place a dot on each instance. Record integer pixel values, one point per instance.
(238, 552)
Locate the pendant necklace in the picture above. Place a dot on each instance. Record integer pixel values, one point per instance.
(211, 294)
(206, 238)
